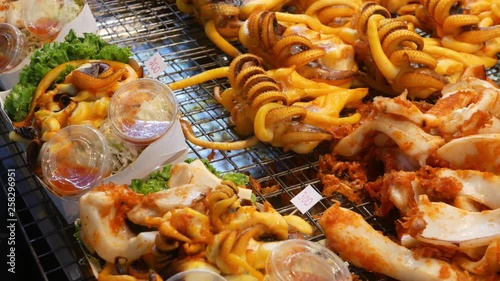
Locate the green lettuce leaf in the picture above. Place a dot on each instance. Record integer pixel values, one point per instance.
(89, 46)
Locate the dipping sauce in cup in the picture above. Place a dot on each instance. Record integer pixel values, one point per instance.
(12, 44)
(302, 260)
(196, 275)
(74, 160)
(41, 17)
(143, 110)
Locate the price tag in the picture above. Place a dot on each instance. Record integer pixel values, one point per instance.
(155, 65)
(306, 199)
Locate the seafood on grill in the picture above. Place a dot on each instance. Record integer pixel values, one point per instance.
(463, 26)
(356, 241)
(449, 218)
(278, 106)
(392, 52)
(223, 19)
(190, 225)
(318, 55)
(465, 119)
(83, 97)
(89, 82)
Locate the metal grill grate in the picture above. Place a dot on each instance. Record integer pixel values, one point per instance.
(148, 27)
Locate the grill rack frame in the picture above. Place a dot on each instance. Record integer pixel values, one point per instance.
(147, 27)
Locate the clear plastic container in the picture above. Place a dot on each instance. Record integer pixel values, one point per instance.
(303, 260)
(74, 160)
(142, 110)
(12, 44)
(42, 18)
(196, 275)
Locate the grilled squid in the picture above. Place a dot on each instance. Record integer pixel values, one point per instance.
(104, 230)
(348, 234)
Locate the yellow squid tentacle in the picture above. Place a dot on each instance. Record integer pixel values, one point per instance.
(240, 63)
(318, 5)
(382, 61)
(261, 131)
(211, 74)
(258, 84)
(268, 97)
(189, 134)
(304, 57)
(184, 7)
(281, 114)
(405, 57)
(219, 41)
(479, 35)
(301, 137)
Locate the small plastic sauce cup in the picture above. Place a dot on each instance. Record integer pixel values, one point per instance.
(75, 160)
(41, 17)
(12, 44)
(303, 260)
(143, 110)
(196, 275)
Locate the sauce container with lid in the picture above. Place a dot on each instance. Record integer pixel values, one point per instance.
(143, 110)
(41, 17)
(196, 275)
(303, 260)
(75, 160)
(12, 44)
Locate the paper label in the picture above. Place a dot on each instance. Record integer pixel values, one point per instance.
(155, 65)
(306, 199)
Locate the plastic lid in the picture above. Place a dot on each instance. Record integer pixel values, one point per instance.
(11, 46)
(142, 110)
(74, 160)
(41, 17)
(301, 260)
(196, 275)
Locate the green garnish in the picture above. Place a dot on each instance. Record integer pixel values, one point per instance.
(254, 198)
(90, 46)
(78, 227)
(238, 178)
(158, 180)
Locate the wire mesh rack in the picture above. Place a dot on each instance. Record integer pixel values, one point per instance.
(148, 27)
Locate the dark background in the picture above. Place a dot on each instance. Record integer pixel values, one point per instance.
(26, 267)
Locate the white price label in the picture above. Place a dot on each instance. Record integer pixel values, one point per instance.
(306, 199)
(155, 65)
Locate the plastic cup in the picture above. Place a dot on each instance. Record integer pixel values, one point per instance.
(12, 44)
(75, 160)
(302, 260)
(196, 275)
(42, 18)
(143, 110)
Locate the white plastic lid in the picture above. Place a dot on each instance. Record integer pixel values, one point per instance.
(196, 275)
(142, 110)
(41, 17)
(74, 160)
(302, 260)
(11, 46)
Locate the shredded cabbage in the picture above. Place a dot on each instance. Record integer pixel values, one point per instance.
(122, 153)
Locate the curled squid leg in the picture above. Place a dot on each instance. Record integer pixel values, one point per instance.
(189, 134)
(215, 73)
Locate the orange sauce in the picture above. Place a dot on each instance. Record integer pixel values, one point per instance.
(45, 28)
(69, 174)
